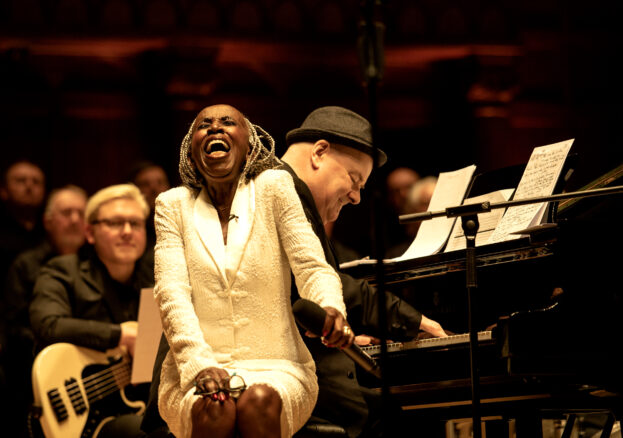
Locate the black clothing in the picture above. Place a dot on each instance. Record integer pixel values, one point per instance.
(20, 281)
(19, 347)
(341, 399)
(76, 300)
(359, 296)
(14, 239)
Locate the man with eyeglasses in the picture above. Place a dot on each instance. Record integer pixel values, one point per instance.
(91, 299)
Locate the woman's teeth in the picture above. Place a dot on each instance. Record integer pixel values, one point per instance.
(216, 146)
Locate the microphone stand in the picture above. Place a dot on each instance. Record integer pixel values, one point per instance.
(469, 220)
(470, 226)
(371, 59)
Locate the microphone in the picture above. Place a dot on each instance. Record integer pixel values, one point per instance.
(311, 316)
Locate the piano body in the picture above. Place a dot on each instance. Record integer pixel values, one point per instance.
(549, 309)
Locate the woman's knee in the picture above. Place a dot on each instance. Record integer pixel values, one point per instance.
(259, 400)
(213, 418)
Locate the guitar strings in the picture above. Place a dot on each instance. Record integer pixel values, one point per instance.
(102, 383)
(109, 381)
(102, 389)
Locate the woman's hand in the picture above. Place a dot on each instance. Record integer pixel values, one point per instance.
(209, 381)
(214, 410)
(336, 332)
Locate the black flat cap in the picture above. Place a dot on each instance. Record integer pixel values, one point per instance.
(337, 125)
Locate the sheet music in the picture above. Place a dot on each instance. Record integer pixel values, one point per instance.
(147, 338)
(487, 221)
(539, 179)
(433, 234)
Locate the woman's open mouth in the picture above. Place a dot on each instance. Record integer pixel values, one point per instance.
(216, 148)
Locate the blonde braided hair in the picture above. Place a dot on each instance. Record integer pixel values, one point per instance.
(261, 156)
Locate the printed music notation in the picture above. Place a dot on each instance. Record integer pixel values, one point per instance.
(540, 176)
(539, 179)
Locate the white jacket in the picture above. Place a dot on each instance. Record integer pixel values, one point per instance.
(229, 307)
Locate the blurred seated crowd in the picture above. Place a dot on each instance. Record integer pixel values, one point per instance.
(113, 228)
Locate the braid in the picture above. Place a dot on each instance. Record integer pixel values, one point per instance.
(188, 172)
(261, 156)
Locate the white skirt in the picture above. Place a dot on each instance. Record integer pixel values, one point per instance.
(296, 385)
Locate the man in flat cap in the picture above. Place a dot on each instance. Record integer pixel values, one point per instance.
(330, 160)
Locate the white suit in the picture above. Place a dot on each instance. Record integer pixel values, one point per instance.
(229, 306)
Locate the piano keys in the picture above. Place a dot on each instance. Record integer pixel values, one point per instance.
(419, 344)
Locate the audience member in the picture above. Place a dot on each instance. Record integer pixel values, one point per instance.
(417, 201)
(63, 220)
(398, 183)
(151, 180)
(22, 191)
(90, 299)
(420, 194)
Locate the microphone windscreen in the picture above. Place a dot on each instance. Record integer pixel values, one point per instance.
(309, 315)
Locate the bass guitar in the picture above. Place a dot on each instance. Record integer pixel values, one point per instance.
(79, 390)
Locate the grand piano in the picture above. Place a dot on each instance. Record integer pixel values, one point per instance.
(548, 309)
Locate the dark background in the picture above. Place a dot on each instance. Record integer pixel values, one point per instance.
(89, 87)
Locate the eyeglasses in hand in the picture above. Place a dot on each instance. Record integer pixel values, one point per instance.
(234, 385)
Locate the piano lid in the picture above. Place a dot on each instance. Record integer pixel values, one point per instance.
(580, 206)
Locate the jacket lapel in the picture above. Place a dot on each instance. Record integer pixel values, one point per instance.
(239, 229)
(227, 260)
(208, 227)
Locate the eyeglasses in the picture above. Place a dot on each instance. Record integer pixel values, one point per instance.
(234, 385)
(117, 224)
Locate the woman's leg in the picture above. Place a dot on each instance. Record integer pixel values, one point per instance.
(258, 412)
(213, 418)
